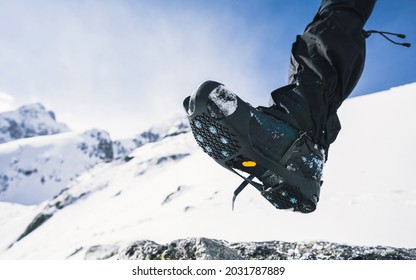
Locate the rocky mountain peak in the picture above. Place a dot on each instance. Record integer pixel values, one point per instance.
(29, 121)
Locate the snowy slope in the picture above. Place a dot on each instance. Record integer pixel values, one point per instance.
(169, 189)
(35, 169)
(39, 157)
(28, 121)
(171, 126)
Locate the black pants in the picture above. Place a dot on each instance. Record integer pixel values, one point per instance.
(326, 64)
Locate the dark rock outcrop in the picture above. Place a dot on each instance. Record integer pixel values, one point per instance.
(181, 249)
(210, 249)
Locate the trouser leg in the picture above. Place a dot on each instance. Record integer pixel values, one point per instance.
(363, 8)
(326, 64)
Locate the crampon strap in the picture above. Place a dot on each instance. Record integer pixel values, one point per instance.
(241, 187)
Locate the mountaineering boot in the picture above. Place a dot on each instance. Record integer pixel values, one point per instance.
(283, 163)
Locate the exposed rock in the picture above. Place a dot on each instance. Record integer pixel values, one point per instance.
(36, 222)
(65, 198)
(29, 121)
(98, 144)
(4, 182)
(319, 250)
(174, 194)
(209, 249)
(143, 250)
(101, 252)
(176, 125)
(171, 158)
(181, 249)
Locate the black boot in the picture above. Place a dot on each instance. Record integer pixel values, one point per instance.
(286, 162)
(285, 145)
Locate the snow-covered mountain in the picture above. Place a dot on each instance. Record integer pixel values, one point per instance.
(160, 186)
(176, 124)
(35, 169)
(29, 121)
(40, 156)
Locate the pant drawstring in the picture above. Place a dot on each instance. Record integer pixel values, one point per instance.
(384, 34)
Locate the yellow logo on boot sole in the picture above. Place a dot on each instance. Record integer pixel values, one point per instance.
(249, 163)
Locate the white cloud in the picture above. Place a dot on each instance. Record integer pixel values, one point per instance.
(120, 66)
(6, 102)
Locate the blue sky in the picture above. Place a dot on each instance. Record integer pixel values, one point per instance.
(125, 65)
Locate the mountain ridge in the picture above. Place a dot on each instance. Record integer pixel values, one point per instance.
(45, 163)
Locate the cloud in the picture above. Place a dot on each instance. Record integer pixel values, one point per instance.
(6, 102)
(123, 65)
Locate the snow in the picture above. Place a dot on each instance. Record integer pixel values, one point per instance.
(13, 220)
(224, 99)
(35, 169)
(170, 189)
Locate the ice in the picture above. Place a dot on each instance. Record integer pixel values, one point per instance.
(291, 168)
